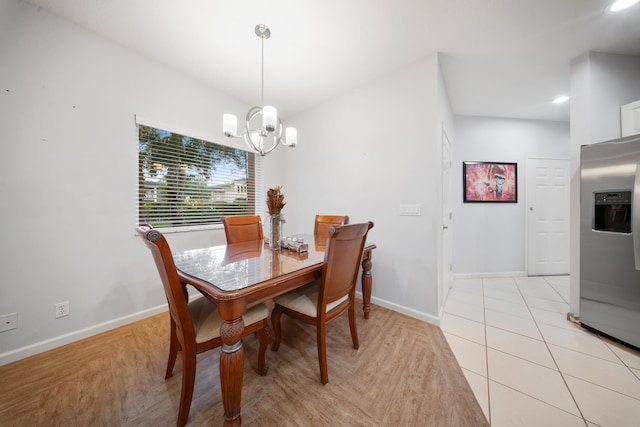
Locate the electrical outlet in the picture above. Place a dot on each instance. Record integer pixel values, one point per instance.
(62, 309)
(8, 322)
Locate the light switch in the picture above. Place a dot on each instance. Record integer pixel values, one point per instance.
(409, 210)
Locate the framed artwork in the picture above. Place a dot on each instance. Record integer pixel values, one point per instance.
(490, 182)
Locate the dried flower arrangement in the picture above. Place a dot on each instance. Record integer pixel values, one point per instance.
(275, 200)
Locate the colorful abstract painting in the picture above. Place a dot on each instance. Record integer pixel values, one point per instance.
(490, 182)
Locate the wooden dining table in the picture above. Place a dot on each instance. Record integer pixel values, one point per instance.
(239, 276)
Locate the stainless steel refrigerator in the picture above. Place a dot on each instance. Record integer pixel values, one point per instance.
(610, 239)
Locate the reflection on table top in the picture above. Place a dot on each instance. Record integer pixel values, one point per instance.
(241, 265)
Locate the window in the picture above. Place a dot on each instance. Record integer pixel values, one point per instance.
(185, 181)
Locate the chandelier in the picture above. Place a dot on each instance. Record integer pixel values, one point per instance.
(263, 130)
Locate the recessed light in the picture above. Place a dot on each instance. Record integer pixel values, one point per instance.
(622, 4)
(561, 99)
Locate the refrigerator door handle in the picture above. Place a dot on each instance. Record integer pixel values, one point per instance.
(635, 218)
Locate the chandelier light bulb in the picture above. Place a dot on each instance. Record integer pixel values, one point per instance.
(269, 118)
(229, 124)
(291, 137)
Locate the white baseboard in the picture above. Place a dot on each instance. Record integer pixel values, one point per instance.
(42, 346)
(420, 315)
(489, 275)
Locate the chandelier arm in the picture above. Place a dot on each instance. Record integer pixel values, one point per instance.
(250, 133)
(258, 150)
(270, 149)
(277, 138)
(252, 147)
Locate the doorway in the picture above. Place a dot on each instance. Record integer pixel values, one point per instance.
(447, 238)
(548, 216)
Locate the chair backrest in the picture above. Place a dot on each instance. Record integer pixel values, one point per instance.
(323, 224)
(174, 290)
(342, 262)
(242, 228)
(235, 252)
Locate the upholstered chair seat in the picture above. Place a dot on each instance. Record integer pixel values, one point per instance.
(207, 320)
(305, 300)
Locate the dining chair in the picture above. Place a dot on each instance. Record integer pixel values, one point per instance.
(323, 224)
(324, 300)
(242, 228)
(195, 325)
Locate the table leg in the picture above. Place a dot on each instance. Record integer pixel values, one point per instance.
(231, 370)
(367, 281)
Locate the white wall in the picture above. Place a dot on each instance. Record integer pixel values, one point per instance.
(490, 238)
(363, 155)
(69, 165)
(600, 84)
(615, 81)
(68, 168)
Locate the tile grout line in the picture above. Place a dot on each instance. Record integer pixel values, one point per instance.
(523, 286)
(552, 356)
(543, 402)
(485, 345)
(600, 338)
(603, 341)
(606, 343)
(604, 387)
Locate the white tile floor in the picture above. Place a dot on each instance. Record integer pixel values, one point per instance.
(528, 365)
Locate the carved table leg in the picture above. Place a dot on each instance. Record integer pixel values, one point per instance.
(366, 286)
(231, 369)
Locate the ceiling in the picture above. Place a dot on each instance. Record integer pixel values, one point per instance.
(500, 58)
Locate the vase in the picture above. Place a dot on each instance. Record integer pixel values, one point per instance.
(275, 231)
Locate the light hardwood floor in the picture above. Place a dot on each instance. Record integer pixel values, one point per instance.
(404, 374)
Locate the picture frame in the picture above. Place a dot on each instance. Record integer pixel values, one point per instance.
(490, 182)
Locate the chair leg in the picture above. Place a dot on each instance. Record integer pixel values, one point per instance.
(352, 325)
(263, 336)
(322, 351)
(174, 346)
(188, 380)
(277, 332)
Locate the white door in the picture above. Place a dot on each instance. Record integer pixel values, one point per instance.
(447, 239)
(548, 211)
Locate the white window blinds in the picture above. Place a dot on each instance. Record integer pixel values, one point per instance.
(185, 181)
